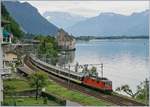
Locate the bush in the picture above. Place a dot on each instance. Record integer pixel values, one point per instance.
(20, 100)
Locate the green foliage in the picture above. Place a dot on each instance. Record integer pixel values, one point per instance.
(142, 93)
(143, 90)
(38, 80)
(94, 70)
(9, 90)
(125, 88)
(13, 27)
(45, 99)
(28, 101)
(91, 72)
(48, 47)
(18, 84)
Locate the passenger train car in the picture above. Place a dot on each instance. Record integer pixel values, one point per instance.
(100, 83)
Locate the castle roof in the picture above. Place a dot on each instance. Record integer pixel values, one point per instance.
(67, 36)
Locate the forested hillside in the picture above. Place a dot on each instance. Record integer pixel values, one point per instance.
(29, 18)
(13, 27)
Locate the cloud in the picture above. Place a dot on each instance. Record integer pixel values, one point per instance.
(91, 8)
(84, 11)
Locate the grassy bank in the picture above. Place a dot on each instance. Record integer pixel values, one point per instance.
(18, 84)
(74, 95)
(138, 100)
(54, 88)
(28, 101)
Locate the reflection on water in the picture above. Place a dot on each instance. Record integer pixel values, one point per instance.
(125, 61)
(66, 58)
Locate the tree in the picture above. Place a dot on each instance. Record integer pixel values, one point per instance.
(38, 80)
(94, 71)
(127, 90)
(13, 27)
(143, 89)
(142, 92)
(10, 90)
(47, 48)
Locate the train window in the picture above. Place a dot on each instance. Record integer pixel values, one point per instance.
(73, 76)
(79, 78)
(63, 73)
(108, 83)
(57, 71)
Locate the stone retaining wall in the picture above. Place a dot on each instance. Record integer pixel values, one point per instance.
(49, 96)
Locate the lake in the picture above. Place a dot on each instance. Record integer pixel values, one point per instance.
(125, 61)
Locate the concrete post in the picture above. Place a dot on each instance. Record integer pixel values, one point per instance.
(69, 77)
(10, 40)
(1, 71)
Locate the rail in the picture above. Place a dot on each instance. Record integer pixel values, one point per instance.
(114, 99)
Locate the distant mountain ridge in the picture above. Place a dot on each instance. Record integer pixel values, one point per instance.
(105, 24)
(29, 18)
(111, 24)
(63, 19)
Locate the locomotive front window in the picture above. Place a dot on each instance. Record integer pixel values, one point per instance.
(108, 83)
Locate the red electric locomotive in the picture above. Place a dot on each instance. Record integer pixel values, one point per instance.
(92, 79)
(99, 83)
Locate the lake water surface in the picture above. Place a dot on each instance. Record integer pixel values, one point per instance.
(125, 61)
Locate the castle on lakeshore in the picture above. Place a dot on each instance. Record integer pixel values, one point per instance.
(65, 41)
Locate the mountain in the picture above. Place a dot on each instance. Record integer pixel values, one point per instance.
(29, 18)
(111, 24)
(63, 19)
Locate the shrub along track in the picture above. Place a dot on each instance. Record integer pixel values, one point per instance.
(114, 99)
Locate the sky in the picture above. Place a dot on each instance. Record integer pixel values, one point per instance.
(91, 8)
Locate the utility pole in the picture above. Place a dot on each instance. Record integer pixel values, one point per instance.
(102, 69)
(76, 67)
(147, 91)
(65, 54)
(69, 77)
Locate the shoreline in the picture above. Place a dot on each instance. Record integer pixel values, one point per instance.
(88, 38)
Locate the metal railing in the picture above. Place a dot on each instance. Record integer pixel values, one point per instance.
(5, 71)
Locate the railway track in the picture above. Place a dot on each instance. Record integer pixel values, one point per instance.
(114, 99)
